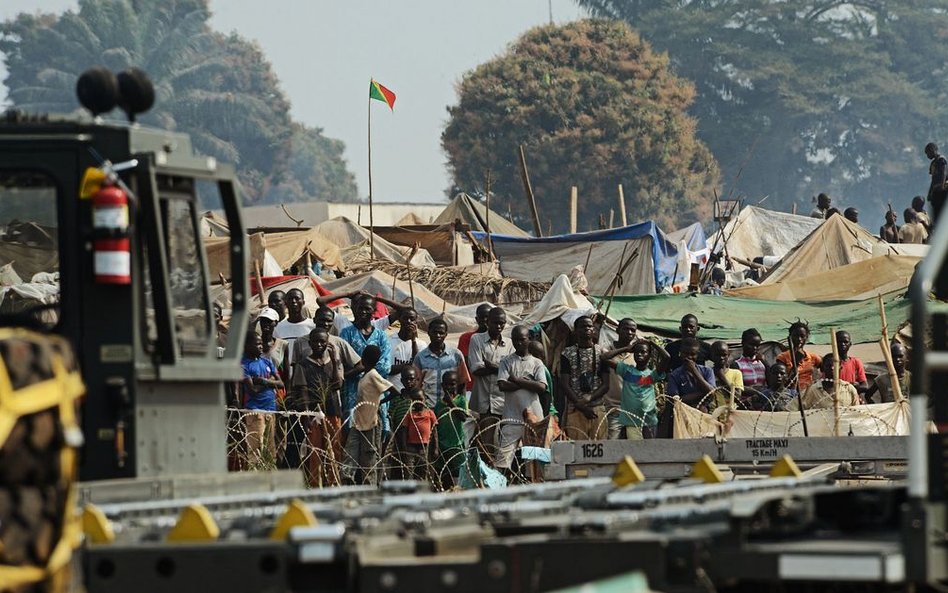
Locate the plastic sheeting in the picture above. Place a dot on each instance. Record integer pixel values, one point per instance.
(444, 245)
(725, 318)
(543, 259)
(285, 248)
(474, 214)
(890, 419)
(757, 232)
(853, 282)
(835, 243)
(560, 300)
(353, 240)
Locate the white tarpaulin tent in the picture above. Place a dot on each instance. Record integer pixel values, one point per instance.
(757, 232)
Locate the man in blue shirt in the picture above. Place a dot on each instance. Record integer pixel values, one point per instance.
(359, 335)
(691, 381)
(258, 390)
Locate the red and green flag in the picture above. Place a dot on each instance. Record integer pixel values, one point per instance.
(380, 93)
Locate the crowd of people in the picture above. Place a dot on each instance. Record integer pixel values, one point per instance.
(917, 224)
(365, 399)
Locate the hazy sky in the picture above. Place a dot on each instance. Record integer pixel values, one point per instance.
(325, 53)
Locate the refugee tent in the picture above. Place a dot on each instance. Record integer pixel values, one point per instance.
(692, 246)
(725, 318)
(474, 214)
(445, 245)
(833, 244)
(275, 253)
(757, 232)
(353, 241)
(411, 219)
(426, 303)
(213, 225)
(651, 258)
(852, 282)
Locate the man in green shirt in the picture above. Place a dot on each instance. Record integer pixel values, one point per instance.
(638, 413)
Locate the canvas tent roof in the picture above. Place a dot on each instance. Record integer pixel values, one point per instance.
(284, 248)
(469, 211)
(834, 243)
(725, 318)
(353, 240)
(441, 241)
(543, 259)
(852, 282)
(756, 232)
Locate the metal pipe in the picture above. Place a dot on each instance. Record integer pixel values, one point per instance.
(919, 289)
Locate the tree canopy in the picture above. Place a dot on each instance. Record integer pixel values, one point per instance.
(218, 88)
(594, 107)
(806, 96)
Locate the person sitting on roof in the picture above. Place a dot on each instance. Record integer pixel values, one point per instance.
(851, 214)
(889, 232)
(823, 203)
(912, 231)
(715, 285)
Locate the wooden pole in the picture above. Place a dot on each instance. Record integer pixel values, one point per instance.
(612, 218)
(887, 354)
(257, 276)
(371, 212)
(529, 191)
(794, 211)
(411, 288)
(835, 381)
(490, 242)
(622, 217)
(588, 255)
(573, 203)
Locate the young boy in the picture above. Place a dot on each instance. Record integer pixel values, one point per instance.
(688, 329)
(363, 441)
(638, 415)
(775, 396)
(437, 359)
(421, 437)
(883, 383)
(820, 394)
(451, 411)
(399, 408)
(889, 232)
(522, 379)
(851, 368)
(626, 332)
(691, 381)
(258, 391)
(724, 377)
(315, 388)
(538, 351)
(800, 362)
(753, 371)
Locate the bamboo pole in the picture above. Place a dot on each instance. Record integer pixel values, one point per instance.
(835, 381)
(588, 255)
(622, 217)
(573, 203)
(525, 175)
(612, 218)
(258, 277)
(887, 354)
(490, 242)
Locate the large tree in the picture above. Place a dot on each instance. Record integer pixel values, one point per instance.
(803, 96)
(315, 168)
(218, 88)
(594, 107)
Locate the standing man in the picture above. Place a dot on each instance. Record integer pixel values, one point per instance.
(522, 378)
(585, 381)
(437, 359)
(626, 332)
(918, 205)
(277, 301)
(359, 335)
(687, 329)
(464, 342)
(823, 204)
(483, 361)
(405, 346)
(937, 191)
(851, 368)
(295, 325)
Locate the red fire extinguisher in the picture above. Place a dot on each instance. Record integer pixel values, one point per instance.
(112, 247)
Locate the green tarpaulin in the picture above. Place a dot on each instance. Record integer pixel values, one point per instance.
(724, 318)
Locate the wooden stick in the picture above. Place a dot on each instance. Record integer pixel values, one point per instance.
(529, 191)
(887, 353)
(573, 199)
(411, 288)
(257, 275)
(835, 381)
(625, 221)
(490, 242)
(612, 218)
(588, 255)
(371, 212)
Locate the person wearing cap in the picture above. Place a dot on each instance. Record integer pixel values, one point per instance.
(274, 348)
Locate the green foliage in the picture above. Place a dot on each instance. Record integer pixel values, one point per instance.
(804, 96)
(594, 107)
(218, 88)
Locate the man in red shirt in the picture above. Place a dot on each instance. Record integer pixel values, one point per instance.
(464, 342)
(851, 368)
